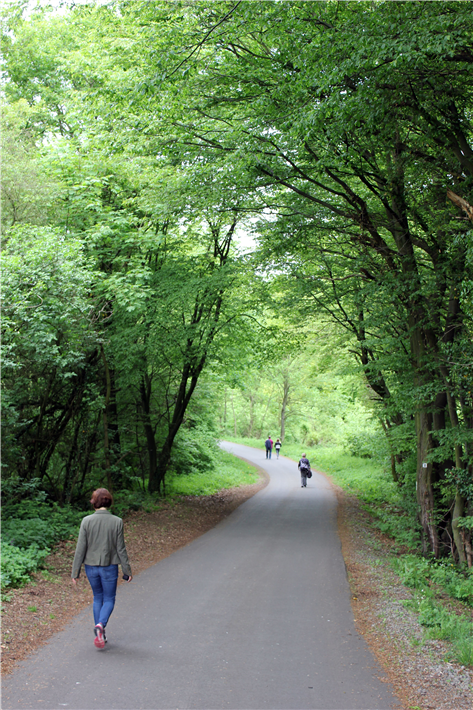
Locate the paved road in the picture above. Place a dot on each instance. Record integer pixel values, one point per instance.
(253, 615)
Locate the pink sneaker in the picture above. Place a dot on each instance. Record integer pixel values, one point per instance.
(99, 640)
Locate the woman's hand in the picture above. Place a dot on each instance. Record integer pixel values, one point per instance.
(129, 578)
(74, 582)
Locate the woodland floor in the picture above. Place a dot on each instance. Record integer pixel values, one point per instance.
(421, 676)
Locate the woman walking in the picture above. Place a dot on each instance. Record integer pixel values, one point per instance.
(277, 446)
(304, 468)
(101, 546)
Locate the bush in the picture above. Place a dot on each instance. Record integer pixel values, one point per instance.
(30, 528)
(23, 533)
(417, 572)
(15, 490)
(195, 450)
(367, 445)
(397, 523)
(17, 565)
(36, 523)
(441, 624)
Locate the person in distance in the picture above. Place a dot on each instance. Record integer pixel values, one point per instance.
(268, 446)
(304, 468)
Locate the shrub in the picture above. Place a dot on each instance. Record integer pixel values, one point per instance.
(416, 572)
(30, 528)
(17, 565)
(367, 445)
(441, 624)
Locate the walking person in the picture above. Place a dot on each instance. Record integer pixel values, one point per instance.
(101, 546)
(268, 445)
(277, 446)
(304, 468)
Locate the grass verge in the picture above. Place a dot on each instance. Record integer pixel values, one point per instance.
(229, 472)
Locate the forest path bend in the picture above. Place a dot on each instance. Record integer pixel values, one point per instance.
(253, 615)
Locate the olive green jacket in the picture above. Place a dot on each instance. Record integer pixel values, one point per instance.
(101, 543)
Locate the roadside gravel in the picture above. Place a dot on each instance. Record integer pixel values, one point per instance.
(419, 669)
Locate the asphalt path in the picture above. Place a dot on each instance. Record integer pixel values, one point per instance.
(254, 614)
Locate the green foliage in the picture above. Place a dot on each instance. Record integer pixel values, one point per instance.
(17, 564)
(27, 193)
(398, 522)
(332, 132)
(417, 572)
(424, 576)
(195, 450)
(15, 489)
(466, 522)
(367, 445)
(460, 479)
(28, 523)
(5, 598)
(442, 624)
(47, 337)
(30, 528)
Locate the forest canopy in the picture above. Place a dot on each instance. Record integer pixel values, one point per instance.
(144, 144)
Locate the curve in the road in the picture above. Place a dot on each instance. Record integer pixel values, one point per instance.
(253, 615)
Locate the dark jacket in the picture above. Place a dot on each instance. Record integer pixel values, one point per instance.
(101, 543)
(304, 465)
(268, 443)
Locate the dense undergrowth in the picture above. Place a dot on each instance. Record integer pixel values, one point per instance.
(32, 525)
(435, 583)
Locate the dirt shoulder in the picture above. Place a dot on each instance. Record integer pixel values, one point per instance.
(419, 670)
(47, 604)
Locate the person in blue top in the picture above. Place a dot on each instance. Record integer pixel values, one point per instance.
(268, 445)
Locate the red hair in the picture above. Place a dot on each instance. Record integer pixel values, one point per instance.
(101, 498)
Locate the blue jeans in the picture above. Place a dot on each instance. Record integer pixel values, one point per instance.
(103, 581)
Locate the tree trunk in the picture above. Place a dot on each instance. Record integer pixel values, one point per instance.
(285, 400)
(386, 427)
(252, 417)
(234, 417)
(459, 505)
(106, 443)
(156, 482)
(145, 393)
(458, 511)
(90, 446)
(114, 433)
(66, 489)
(425, 491)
